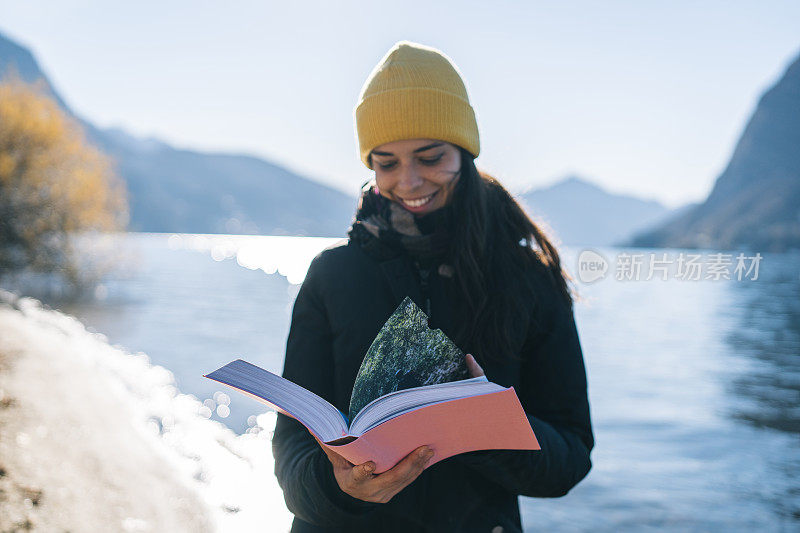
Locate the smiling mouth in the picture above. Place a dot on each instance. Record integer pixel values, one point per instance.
(419, 202)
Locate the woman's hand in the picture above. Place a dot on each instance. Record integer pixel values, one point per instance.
(475, 369)
(359, 482)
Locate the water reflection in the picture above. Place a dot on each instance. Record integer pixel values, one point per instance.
(767, 334)
(764, 334)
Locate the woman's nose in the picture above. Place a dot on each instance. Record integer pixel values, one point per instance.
(410, 178)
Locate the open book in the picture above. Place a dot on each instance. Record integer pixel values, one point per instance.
(412, 389)
(452, 418)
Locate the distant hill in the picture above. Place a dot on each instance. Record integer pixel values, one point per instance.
(581, 213)
(15, 59)
(755, 202)
(192, 192)
(184, 191)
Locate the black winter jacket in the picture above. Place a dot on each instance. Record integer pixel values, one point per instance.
(345, 299)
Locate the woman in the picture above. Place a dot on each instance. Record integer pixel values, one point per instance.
(431, 227)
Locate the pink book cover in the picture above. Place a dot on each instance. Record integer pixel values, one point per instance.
(494, 421)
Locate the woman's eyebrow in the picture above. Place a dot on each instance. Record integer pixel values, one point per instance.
(428, 147)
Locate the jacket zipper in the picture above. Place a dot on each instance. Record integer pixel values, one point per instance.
(424, 274)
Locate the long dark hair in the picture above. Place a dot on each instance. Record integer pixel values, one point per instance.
(494, 246)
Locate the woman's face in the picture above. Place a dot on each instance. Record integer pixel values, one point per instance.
(419, 174)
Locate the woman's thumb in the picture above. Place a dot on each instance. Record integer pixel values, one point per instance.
(474, 368)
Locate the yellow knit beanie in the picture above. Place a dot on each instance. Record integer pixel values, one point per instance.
(415, 92)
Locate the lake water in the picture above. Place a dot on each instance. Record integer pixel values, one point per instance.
(694, 385)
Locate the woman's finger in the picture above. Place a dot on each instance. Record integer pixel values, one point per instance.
(474, 368)
(407, 470)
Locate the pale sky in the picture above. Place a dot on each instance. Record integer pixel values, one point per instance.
(642, 98)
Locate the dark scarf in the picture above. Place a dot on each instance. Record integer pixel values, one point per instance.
(384, 229)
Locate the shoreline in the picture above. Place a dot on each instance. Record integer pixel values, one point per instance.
(70, 457)
(96, 438)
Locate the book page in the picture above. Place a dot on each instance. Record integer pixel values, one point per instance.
(406, 354)
(320, 417)
(397, 403)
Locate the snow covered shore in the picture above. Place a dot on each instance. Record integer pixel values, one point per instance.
(93, 438)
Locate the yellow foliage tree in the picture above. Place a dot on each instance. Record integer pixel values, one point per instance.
(54, 186)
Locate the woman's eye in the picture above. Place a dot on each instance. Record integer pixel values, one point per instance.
(424, 160)
(431, 161)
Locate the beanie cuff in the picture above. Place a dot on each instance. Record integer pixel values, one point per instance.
(415, 113)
